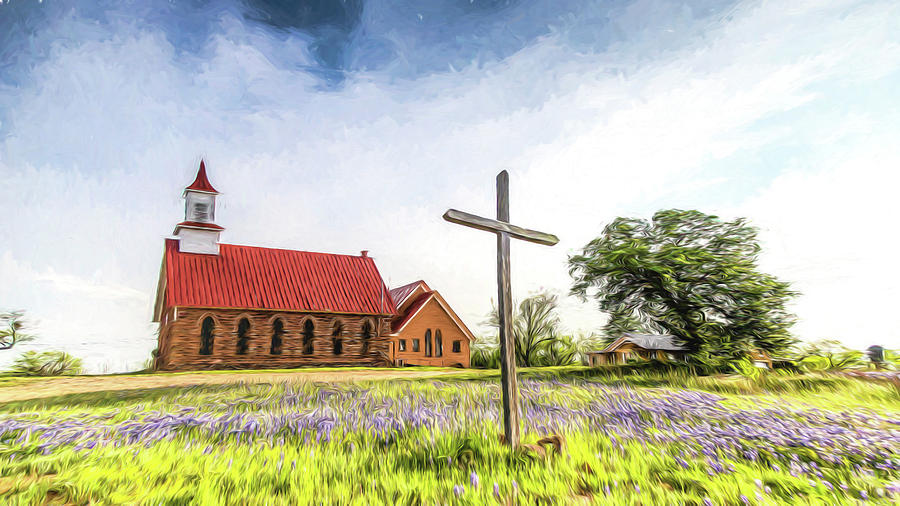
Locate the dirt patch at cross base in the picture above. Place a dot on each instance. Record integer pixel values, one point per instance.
(36, 388)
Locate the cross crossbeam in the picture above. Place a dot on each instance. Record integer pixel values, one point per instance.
(504, 231)
(489, 225)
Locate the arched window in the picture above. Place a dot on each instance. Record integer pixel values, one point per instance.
(243, 342)
(308, 329)
(337, 342)
(206, 336)
(438, 344)
(277, 332)
(428, 343)
(366, 336)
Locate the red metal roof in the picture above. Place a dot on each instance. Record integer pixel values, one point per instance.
(411, 311)
(400, 293)
(268, 278)
(201, 183)
(199, 224)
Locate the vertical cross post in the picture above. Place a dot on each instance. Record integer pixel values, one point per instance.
(504, 307)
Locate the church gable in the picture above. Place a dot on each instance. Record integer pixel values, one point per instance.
(428, 331)
(428, 305)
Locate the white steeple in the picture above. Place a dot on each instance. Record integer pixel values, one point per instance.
(198, 233)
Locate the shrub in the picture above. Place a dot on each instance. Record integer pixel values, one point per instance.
(485, 358)
(48, 363)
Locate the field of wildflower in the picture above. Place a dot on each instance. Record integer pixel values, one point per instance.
(623, 440)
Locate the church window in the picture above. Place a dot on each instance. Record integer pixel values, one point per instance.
(243, 342)
(402, 344)
(337, 341)
(438, 344)
(428, 343)
(457, 346)
(201, 211)
(366, 336)
(415, 345)
(206, 336)
(308, 329)
(277, 333)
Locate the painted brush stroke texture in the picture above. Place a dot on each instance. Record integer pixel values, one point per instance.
(348, 125)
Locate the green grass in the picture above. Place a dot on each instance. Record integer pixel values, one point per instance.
(421, 466)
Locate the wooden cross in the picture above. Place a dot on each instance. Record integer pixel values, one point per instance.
(504, 231)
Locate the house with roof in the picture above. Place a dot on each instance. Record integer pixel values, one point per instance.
(637, 346)
(232, 306)
(426, 330)
(659, 347)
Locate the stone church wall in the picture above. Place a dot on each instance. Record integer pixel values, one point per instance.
(180, 340)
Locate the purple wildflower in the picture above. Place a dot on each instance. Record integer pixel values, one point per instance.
(458, 490)
(707, 501)
(497, 490)
(864, 494)
(473, 479)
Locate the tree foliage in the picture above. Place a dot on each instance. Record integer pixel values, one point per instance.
(535, 326)
(485, 352)
(536, 331)
(12, 324)
(828, 354)
(687, 274)
(48, 363)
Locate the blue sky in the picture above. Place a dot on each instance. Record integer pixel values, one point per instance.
(347, 125)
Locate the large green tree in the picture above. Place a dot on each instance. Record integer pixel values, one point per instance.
(688, 274)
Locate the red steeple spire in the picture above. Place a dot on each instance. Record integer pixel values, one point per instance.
(201, 183)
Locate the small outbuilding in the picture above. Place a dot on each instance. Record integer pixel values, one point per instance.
(633, 346)
(637, 346)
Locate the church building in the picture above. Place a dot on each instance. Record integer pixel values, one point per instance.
(223, 306)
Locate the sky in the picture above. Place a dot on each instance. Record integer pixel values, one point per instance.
(342, 126)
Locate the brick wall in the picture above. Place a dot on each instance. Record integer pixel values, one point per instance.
(180, 340)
